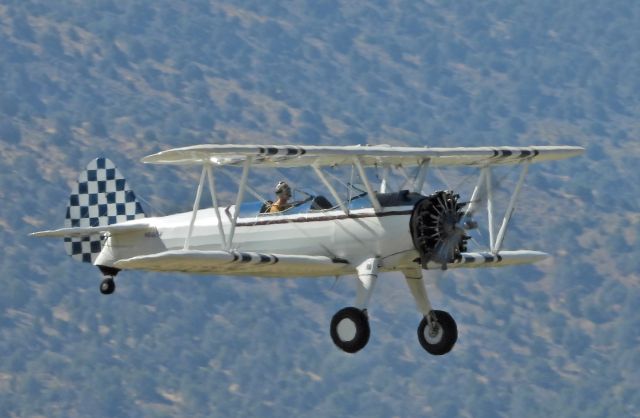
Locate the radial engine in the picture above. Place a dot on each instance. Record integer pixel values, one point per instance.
(436, 228)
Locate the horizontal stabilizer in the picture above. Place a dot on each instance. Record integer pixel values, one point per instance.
(236, 262)
(503, 258)
(92, 230)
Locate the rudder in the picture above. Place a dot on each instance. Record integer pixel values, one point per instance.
(100, 197)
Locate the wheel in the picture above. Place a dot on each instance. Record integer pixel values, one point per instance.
(108, 286)
(442, 337)
(350, 329)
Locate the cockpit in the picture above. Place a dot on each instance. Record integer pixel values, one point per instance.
(313, 203)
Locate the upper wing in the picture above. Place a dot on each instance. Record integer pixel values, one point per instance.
(236, 262)
(299, 156)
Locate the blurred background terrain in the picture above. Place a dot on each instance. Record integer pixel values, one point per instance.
(80, 79)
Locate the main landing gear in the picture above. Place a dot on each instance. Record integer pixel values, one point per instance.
(350, 326)
(108, 284)
(437, 332)
(350, 331)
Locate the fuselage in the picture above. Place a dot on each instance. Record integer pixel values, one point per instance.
(353, 237)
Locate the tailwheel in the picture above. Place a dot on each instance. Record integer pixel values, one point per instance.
(438, 334)
(350, 329)
(107, 286)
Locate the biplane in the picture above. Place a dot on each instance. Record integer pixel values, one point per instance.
(367, 232)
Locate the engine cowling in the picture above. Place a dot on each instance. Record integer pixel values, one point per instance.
(436, 230)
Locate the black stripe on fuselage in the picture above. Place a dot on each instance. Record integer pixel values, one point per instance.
(324, 218)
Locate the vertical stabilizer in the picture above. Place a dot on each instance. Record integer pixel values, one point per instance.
(100, 197)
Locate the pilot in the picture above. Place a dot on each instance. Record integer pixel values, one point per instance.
(283, 194)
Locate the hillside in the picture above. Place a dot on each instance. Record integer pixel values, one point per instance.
(81, 79)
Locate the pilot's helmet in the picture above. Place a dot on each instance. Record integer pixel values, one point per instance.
(283, 189)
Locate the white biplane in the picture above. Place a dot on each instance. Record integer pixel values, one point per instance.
(362, 234)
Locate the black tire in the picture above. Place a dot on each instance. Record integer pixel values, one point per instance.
(107, 286)
(350, 329)
(446, 337)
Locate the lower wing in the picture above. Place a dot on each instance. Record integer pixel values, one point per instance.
(238, 263)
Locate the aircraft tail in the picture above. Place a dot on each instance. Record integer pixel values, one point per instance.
(101, 197)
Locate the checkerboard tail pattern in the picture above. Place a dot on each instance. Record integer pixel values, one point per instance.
(100, 197)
